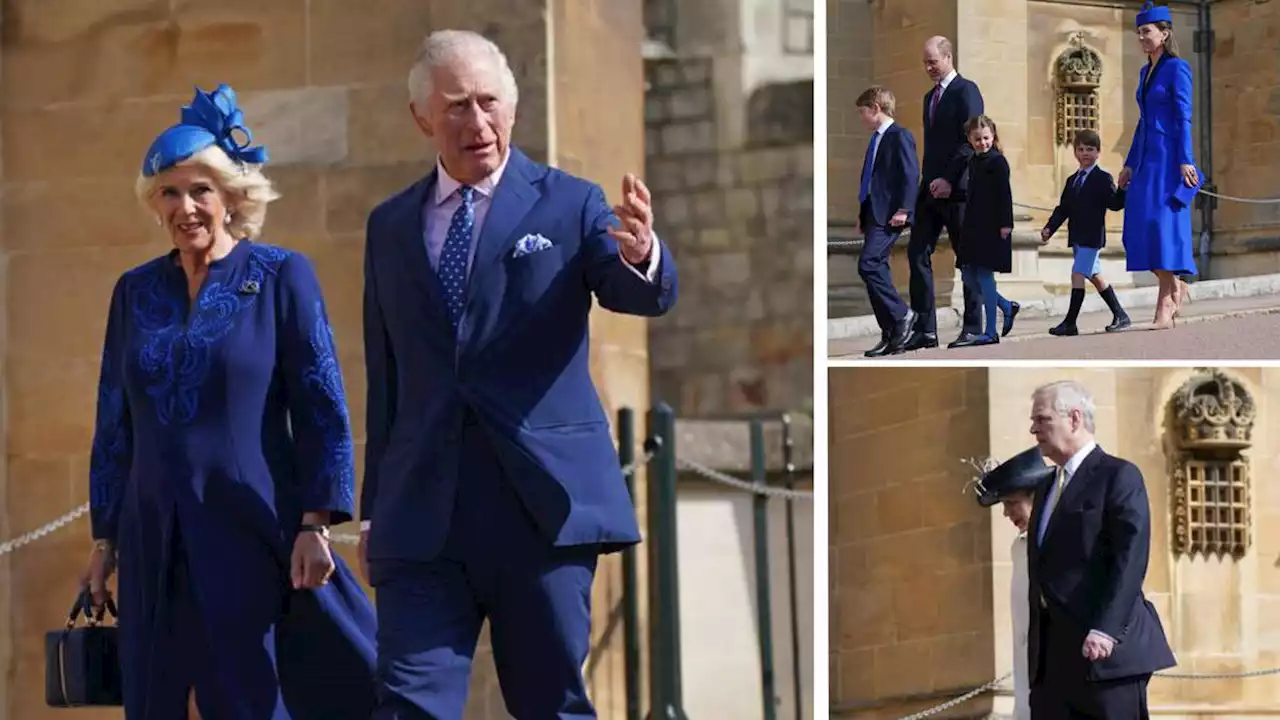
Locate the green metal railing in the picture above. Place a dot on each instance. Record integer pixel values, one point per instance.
(666, 700)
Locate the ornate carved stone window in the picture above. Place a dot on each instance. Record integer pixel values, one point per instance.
(1079, 74)
(1214, 416)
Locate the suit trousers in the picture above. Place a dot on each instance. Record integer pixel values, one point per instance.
(1062, 691)
(931, 217)
(495, 565)
(873, 268)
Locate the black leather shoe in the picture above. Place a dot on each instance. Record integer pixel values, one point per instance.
(971, 340)
(1062, 329)
(1119, 322)
(881, 349)
(921, 341)
(1008, 318)
(901, 333)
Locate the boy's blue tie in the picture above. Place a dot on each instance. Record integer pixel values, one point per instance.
(453, 257)
(867, 162)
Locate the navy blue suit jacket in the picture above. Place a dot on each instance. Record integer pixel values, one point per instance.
(946, 149)
(1085, 209)
(519, 364)
(1091, 566)
(894, 176)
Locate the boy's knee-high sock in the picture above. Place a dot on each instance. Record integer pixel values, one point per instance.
(1077, 300)
(1113, 302)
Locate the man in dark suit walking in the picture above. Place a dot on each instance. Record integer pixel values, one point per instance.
(947, 107)
(1094, 639)
(886, 196)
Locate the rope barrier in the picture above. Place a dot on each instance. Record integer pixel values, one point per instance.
(996, 683)
(648, 453)
(849, 244)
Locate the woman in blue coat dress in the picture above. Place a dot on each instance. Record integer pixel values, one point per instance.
(221, 454)
(1160, 172)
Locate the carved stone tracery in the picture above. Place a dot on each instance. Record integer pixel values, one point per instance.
(1214, 416)
(1078, 74)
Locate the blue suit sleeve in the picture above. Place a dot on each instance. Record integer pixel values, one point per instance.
(111, 456)
(380, 387)
(1127, 523)
(617, 286)
(910, 173)
(1182, 109)
(1132, 156)
(317, 403)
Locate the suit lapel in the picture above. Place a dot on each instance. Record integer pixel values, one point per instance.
(413, 245)
(1075, 488)
(512, 200)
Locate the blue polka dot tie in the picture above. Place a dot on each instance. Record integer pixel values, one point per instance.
(453, 257)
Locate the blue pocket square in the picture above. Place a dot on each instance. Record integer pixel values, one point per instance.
(531, 243)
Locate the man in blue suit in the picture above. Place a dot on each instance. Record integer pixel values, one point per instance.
(491, 479)
(1094, 639)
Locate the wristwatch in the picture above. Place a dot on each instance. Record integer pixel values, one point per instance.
(323, 530)
(103, 545)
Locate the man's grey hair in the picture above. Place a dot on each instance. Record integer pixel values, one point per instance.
(1068, 395)
(445, 46)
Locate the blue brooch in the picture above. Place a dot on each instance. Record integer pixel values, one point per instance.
(250, 287)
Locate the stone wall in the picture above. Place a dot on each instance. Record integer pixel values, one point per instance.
(85, 88)
(1246, 134)
(910, 605)
(740, 222)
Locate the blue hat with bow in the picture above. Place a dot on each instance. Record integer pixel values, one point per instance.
(1152, 13)
(211, 119)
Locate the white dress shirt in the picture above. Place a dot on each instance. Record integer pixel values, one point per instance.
(437, 214)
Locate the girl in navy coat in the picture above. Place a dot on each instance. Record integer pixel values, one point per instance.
(988, 226)
(221, 454)
(1159, 173)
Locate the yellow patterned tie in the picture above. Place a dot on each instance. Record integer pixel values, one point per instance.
(1057, 493)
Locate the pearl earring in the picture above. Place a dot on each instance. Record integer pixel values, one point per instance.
(227, 220)
(159, 221)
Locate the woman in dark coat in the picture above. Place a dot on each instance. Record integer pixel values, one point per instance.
(222, 453)
(988, 226)
(1159, 172)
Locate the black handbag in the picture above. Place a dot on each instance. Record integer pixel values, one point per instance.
(82, 664)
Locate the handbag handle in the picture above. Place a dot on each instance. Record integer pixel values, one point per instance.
(84, 604)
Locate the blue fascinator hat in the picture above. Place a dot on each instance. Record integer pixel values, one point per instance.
(1152, 13)
(211, 119)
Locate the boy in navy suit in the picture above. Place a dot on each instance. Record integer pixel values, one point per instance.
(886, 198)
(1088, 195)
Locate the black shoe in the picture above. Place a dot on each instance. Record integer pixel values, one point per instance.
(1008, 318)
(901, 333)
(1063, 329)
(973, 340)
(881, 349)
(921, 341)
(1119, 323)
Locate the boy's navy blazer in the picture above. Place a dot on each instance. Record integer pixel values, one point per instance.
(895, 176)
(1085, 209)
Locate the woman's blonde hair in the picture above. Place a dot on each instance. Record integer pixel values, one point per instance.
(245, 189)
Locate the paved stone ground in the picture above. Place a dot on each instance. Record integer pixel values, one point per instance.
(1218, 329)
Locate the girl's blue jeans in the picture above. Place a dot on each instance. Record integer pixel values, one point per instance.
(982, 282)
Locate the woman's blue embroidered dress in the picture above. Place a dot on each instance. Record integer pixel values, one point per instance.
(219, 423)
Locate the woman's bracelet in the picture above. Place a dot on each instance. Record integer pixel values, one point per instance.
(103, 545)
